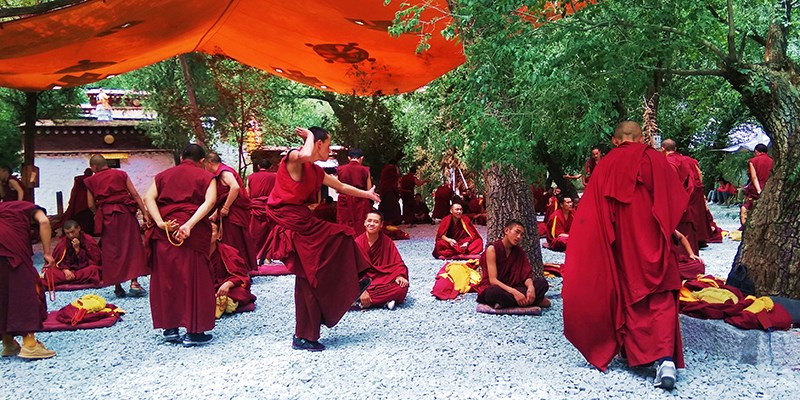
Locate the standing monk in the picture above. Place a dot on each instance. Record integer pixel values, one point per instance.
(115, 200)
(442, 197)
(457, 236)
(684, 167)
(260, 184)
(758, 170)
(590, 165)
(78, 206)
(559, 225)
(323, 256)
(22, 303)
(621, 281)
(408, 183)
(233, 209)
(351, 211)
(182, 284)
(77, 256)
(389, 273)
(390, 201)
(10, 186)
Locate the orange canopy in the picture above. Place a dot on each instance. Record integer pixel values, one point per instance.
(337, 45)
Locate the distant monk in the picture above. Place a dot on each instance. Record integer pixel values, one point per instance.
(441, 201)
(408, 184)
(758, 170)
(422, 214)
(233, 209)
(389, 273)
(326, 210)
(231, 276)
(684, 167)
(507, 274)
(390, 194)
(590, 165)
(559, 224)
(10, 186)
(552, 202)
(620, 280)
(23, 308)
(260, 184)
(457, 236)
(115, 201)
(323, 256)
(77, 258)
(351, 211)
(78, 206)
(182, 285)
(473, 207)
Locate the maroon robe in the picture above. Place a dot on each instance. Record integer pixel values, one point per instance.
(556, 225)
(683, 167)
(326, 212)
(322, 255)
(9, 193)
(762, 163)
(513, 269)
(550, 207)
(687, 268)
(22, 304)
(390, 200)
(115, 221)
(260, 185)
(78, 208)
(462, 231)
(588, 169)
(85, 265)
(228, 266)
(441, 201)
(408, 183)
(236, 226)
(697, 203)
(352, 211)
(621, 280)
(386, 266)
(182, 284)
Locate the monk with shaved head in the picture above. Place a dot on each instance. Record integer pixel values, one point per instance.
(77, 258)
(621, 280)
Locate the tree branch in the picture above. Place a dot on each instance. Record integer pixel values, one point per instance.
(691, 72)
(714, 13)
(731, 34)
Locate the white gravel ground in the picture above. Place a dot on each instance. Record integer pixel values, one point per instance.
(425, 348)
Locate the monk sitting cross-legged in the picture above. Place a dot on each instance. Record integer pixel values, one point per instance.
(457, 236)
(507, 275)
(389, 273)
(77, 257)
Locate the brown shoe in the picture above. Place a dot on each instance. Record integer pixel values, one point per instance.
(11, 351)
(37, 352)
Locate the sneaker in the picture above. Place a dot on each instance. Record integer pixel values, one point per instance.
(197, 339)
(390, 305)
(666, 375)
(38, 352)
(11, 350)
(304, 344)
(172, 335)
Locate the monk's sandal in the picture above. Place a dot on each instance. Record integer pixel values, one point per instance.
(666, 375)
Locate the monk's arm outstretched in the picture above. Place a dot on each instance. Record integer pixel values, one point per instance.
(340, 187)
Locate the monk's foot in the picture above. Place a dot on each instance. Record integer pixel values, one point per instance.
(10, 348)
(545, 303)
(136, 290)
(172, 336)
(119, 292)
(666, 375)
(197, 339)
(37, 352)
(305, 344)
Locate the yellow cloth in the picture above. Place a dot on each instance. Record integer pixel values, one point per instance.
(93, 303)
(760, 304)
(716, 295)
(225, 305)
(735, 235)
(462, 275)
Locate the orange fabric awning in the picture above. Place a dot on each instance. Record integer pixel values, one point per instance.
(337, 45)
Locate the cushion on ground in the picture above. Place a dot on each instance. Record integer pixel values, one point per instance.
(52, 324)
(486, 309)
(271, 269)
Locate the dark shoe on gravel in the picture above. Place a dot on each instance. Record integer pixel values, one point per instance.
(303, 344)
(197, 339)
(120, 293)
(172, 335)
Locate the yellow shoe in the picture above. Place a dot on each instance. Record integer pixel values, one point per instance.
(11, 351)
(37, 352)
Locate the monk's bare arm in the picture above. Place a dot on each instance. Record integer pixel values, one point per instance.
(369, 181)
(685, 244)
(138, 199)
(18, 188)
(340, 187)
(151, 206)
(754, 177)
(90, 201)
(205, 208)
(44, 233)
(230, 181)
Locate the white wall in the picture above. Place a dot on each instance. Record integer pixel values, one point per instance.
(57, 173)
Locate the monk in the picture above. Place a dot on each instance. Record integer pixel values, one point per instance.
(758, 170)
(233, 209)
(351, 211)
(10, 186)
(323, 256)
(408, 184)
(114, 199)
(552, 202)
(326, 210)
(684, 167)
(78, 258)
(179, 200)
(422, 214)
(23, 308)
(473, 207)
(231, 276)
(260, 184)
(559, 224)
(78, 206)
(689, 264)
(457, 236)
(388, 272)
(590, 165)
(441, 201)
(507, 274)
(621, 282)
(390, 194)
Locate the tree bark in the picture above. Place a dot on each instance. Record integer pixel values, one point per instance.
(509, 197)
(557, 172)
(199, 133)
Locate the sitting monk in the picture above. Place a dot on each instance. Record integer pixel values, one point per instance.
(559, 224)
(78, 258)
(689, 264)
(507, 274)
(388, 272)
(231, 276)
(457, 236)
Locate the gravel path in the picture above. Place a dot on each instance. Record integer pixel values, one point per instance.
(423, 349)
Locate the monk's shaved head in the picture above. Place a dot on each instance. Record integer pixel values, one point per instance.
(71, 224)
(669, 145)
(628, 130)
(213, 157)
(512, 223)
(193, 152)
(98, 161)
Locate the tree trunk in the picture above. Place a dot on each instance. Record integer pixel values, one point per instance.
(199, 133)
(509, 197)
(771, 242)
(31, 113)
(557, 173)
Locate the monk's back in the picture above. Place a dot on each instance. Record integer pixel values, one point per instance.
(107, 184)
(183, 184)
(354, 174)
